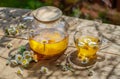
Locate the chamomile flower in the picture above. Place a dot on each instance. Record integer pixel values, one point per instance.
(26, 53)
(18, 58)
(28, 57)
(19, 71)
(11, 31)
(87, 40)
(24, 62)
(13, 62)
(92, 44)
(44, 69)
(31, 53)
(81, 44)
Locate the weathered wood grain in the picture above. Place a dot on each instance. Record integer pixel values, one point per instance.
(109, 68)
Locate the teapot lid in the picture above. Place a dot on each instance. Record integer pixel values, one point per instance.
(47, 13)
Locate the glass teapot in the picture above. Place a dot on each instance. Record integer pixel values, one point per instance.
(48, 35)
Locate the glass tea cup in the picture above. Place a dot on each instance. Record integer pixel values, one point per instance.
(88, 42)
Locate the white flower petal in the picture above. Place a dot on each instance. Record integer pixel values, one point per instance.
(31, 53)
(13, 62)
(93, 44)
(81, 44)
(87, 40)
(44, 69)
(25, 62)
(18, 58)
(28, 57)
(19, 71)
(26, 52)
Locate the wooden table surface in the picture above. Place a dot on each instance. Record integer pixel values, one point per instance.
(107, 69)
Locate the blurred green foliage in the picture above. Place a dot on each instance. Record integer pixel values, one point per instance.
(69, 7)
(65, 5)
(104, 16)
(28, 4)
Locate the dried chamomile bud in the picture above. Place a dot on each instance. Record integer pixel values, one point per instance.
(44, 70)
(90, 73)
(6, 31)
(9, 45)
(58, 65)
(35, 58)
(64, 68)
(8, 62)
(13, 62)
(11, 31)
(22, 26)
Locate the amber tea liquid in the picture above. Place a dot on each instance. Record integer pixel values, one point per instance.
(49, 42)
(87, 47)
